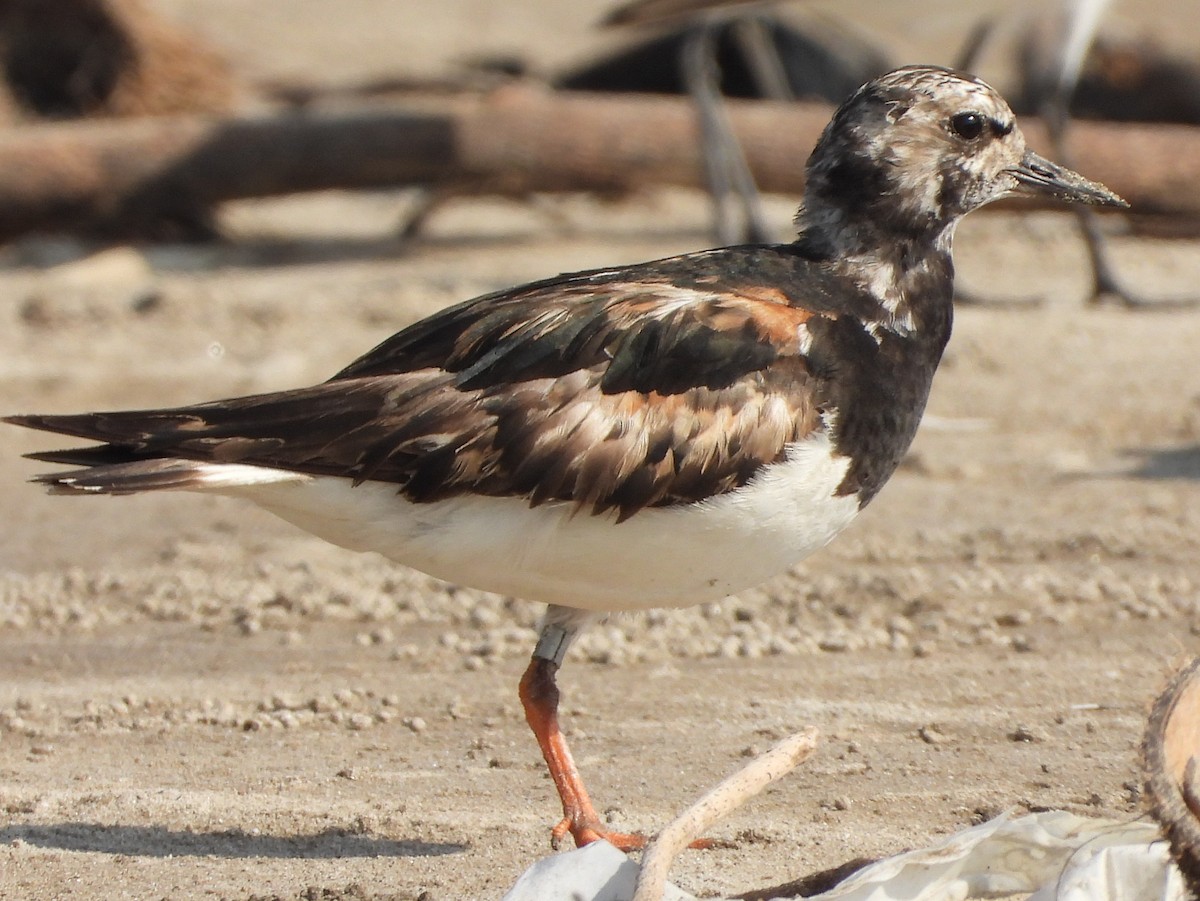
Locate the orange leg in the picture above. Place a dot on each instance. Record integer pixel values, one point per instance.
(539, 697)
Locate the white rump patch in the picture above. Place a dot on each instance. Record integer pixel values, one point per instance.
(221, 477)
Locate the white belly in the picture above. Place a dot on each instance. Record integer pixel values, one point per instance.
(660, 557)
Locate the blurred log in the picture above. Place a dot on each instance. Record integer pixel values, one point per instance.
(516, 140)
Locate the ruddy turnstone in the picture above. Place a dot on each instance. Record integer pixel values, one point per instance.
(655, 435)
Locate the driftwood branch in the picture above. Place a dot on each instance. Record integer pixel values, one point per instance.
(72, 175)
(720, 801)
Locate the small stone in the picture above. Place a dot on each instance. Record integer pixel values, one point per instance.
(931, 736)
(415, 723)
(613, 815)
(146, 301)
(1014, 618)
(360, 721)
(1023, 734)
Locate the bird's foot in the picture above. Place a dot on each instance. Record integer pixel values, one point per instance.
(585, 830)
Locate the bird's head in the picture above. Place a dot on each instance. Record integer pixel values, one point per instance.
(914, 150)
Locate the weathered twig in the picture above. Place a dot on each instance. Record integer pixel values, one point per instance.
(731, 793)
(512, 141)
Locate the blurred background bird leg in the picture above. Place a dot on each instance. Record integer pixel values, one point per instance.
(737, 207)
(1082, 23)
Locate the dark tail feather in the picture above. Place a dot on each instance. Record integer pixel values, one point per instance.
(111, 468)
(78, 425)
(105, 455)
(125, 478)
(310, 430)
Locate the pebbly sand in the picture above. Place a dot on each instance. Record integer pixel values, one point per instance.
(197, 700)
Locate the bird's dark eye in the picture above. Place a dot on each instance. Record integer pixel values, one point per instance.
(967, 125)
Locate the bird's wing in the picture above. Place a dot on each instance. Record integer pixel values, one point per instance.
(615, 390)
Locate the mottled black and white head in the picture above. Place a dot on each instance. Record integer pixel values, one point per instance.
(911, 152)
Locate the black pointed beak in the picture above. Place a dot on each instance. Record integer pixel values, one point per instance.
(1037, 176)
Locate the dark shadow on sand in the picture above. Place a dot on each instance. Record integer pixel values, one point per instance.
(1166, 462)
(156, 841)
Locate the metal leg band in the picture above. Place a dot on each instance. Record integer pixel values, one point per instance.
(552, 644)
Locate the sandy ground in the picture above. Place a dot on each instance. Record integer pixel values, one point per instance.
(197, 700)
